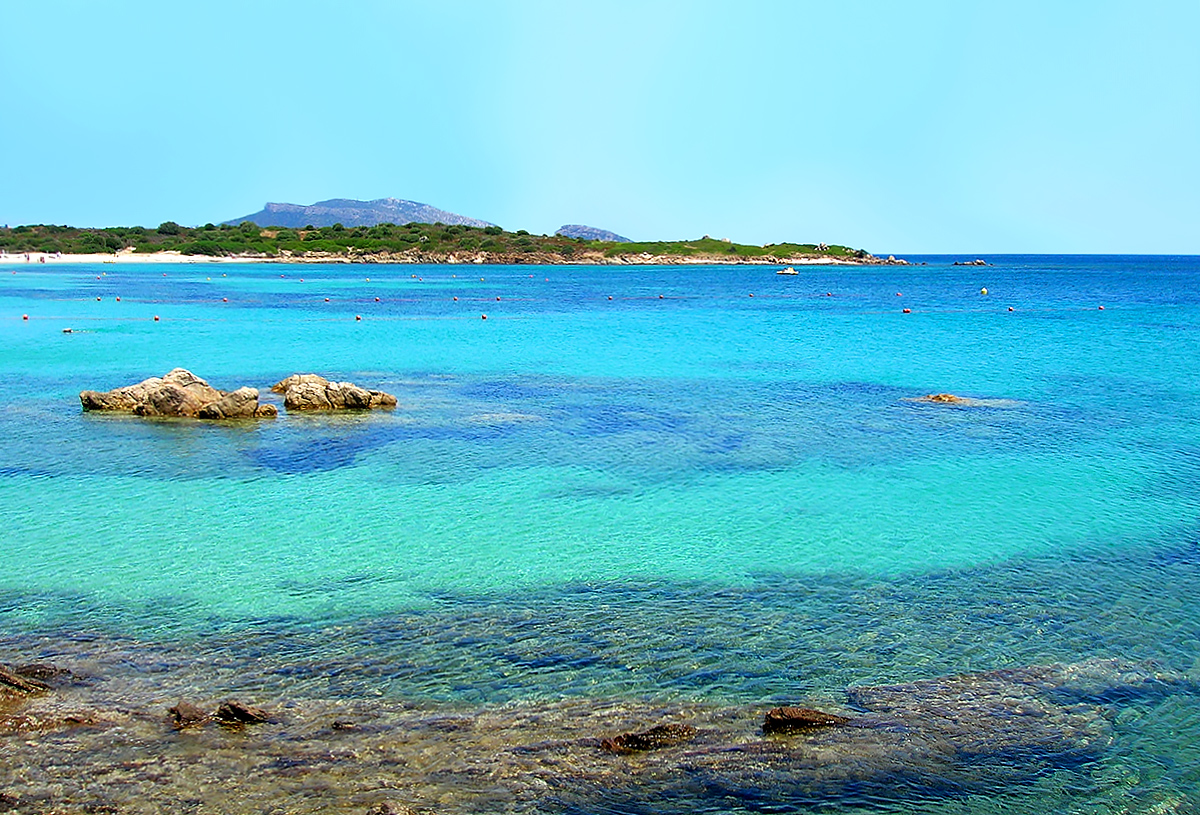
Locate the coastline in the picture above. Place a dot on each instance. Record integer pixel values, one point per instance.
(437, 258)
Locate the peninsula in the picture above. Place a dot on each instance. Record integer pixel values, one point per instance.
(390, 243)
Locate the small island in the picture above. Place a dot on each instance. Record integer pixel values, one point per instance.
(394, 243)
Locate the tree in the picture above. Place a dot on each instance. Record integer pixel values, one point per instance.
(169, 228)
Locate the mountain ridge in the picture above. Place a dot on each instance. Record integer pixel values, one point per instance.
(352, 212)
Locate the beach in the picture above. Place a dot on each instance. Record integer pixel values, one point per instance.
(631, 498)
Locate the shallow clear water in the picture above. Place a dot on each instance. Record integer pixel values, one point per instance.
(703, 498)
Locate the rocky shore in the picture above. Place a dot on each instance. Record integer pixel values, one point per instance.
(74, 741)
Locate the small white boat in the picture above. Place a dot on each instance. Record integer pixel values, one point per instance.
(788, 270)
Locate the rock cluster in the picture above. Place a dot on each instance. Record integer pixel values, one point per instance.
(313, 392)
(230, 714)
(182, 393)
(179, 393)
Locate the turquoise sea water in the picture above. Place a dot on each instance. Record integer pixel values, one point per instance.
(702, 485)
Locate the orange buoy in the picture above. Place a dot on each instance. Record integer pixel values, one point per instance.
(456, 299)
(118, 299)
(497, 299)
(97, 299)
(326, 299)
(1102, 308)
(660, 297)
(224, 299)
(751, 294)
(1010, 308)
(908, 311)
(24, 316)
(829, 294)
(483, 316)
(898, 294)
(376, 299)
(302, 280)
(368, 280)
(481, 280)
(610, 297)
(156, 318)
(357, 318)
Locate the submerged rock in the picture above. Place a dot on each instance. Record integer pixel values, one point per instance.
(234, 712)
(664, 735)
(178, 393)
(314, 392)
(14, 683)
(794, 719)
(185, 715)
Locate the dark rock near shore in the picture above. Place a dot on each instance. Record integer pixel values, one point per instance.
(312, 392)
(799, 719)
(13, 683)
(664, 735)
(178, 393)
(237, 713)
(185, 715)
(389, 808)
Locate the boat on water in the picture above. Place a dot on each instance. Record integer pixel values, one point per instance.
(787, 270)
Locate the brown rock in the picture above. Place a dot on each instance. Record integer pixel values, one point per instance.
(306, 396)
(179, 393)
(794, 719)
(239, 404)
(313, 392)
(234, 712)
(14, 683)
(664, 735)
(389, 808)
(185, 714)
(298, 379)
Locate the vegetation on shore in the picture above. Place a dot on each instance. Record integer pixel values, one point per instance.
(414, 242)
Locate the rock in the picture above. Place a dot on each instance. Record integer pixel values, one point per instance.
(799, 719)
(664, 735)
(239, 404)
(307, 396)
(944, 399)
(298, 379)
(12, 682)
(179, 393)
(313, 392)
(234, 712)
(389, 808)
(185, 715)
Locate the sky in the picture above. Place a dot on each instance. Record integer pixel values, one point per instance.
(897, 127)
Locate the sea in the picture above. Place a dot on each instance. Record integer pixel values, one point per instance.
(610, 498)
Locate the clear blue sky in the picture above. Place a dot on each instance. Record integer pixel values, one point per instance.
(893, 126)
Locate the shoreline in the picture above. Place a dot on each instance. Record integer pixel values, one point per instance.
(451, 259)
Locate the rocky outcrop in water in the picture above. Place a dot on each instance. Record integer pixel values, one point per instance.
(799, 720)
(179, 393)
(656, 738)
(313, 392)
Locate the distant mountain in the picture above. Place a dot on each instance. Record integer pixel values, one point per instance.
(590, 233)
(348, 212)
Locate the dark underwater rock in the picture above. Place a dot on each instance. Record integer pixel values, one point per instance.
(236, 713)
(664, 735)
(798, 719)
(13, 683)
(185, 715)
